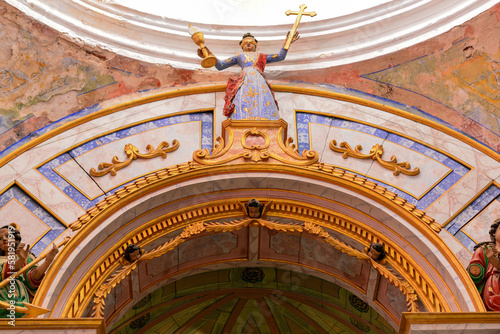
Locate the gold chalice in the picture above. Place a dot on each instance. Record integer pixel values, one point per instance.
(197, 37)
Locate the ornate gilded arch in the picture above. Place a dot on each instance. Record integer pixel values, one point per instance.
(278, 157)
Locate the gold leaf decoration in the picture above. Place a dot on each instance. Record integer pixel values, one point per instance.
(114, 280)
(307, 158)
(270, 147)
(121, 274)
(402, 285)
(197, 228)
(375, 154)
(133, 153)
(189, 166)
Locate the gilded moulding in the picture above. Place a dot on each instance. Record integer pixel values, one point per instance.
(197, 228)
(376, 155)
(133, 154)
(109, 262)
(58, 325)
(191, 169)
(330, 171)
(255, 141)
(382, 191)
(453, 320)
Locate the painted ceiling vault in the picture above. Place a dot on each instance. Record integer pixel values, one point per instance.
(251, 300)
(112, 134)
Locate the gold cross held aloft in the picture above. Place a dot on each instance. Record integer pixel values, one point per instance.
(296, 24)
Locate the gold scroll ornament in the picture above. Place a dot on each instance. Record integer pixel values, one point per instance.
(133, 154)
(375, 154)
(269, 145)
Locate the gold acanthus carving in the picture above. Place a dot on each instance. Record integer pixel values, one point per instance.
(205, 157)
(194, 229)
(133, 153)
(115, 279)
(276, 208)
(345, 227)
(402, 285)
(375, 154)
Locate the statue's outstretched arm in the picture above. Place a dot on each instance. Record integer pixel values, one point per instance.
(222, 65)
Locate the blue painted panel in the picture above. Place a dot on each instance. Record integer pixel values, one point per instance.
(56, 227)
(458, 170)
(206, 119)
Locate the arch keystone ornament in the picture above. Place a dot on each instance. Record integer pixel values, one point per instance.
(262, 141)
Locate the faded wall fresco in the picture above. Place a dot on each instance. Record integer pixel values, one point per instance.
(453, 79)
(44, 77)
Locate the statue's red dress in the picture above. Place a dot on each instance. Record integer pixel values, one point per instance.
(488, 281)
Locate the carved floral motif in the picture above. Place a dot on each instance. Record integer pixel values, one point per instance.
(263, 143)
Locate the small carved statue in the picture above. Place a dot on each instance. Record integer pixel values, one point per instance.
(133, 253)
(376, 251)
(484, 269)
(250, 95)
(254, 208)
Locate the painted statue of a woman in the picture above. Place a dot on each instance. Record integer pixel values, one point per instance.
(249, 95)
(484, 269)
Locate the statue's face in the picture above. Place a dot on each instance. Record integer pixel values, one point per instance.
(373, 253)
(4, 240)
(497, 235)
(248, 45)
(253, 212)
(135, 255)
